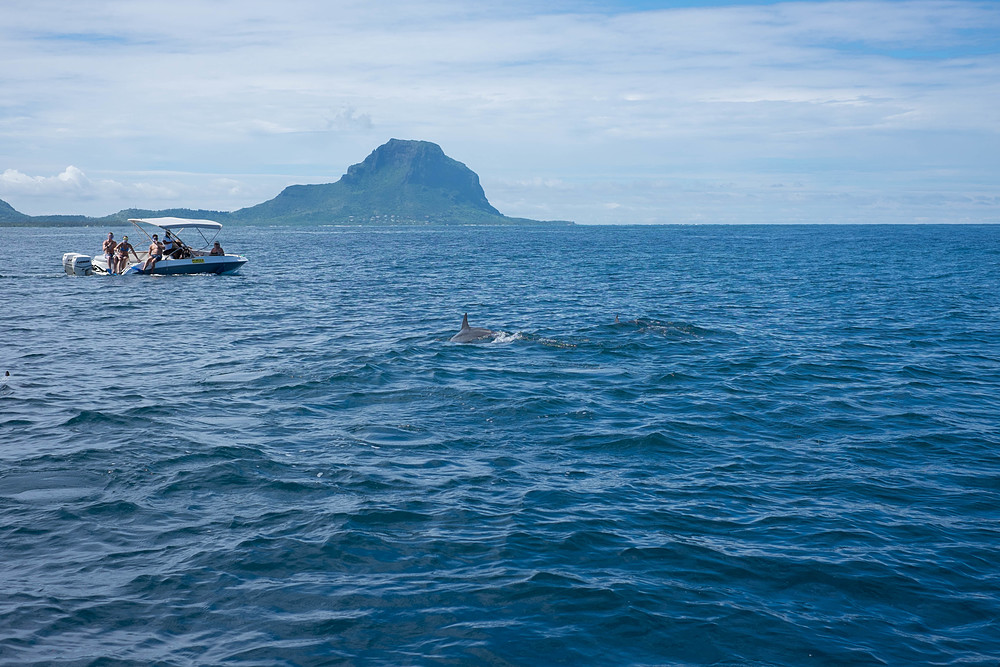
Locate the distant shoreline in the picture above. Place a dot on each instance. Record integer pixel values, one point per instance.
(517, 223)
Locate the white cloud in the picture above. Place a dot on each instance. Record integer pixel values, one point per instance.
(348, 118)
(70, 182)
(81, 194)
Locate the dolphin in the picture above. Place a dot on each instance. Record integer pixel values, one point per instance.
(469, 334)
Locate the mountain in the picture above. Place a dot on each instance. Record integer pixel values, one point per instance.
(8, 214)
(401, 182)
(9, 217)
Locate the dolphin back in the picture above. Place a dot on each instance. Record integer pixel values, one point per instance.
(468, 334)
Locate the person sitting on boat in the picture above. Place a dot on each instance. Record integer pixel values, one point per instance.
(217, 250)
(183, 251)
(121, 254)
(155, 254)
(175, 248)
(109, 252)
(169, 245)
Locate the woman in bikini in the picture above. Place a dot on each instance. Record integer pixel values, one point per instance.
(121, 253)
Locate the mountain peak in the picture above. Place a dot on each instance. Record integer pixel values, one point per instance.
(419, 165)
(400, 181)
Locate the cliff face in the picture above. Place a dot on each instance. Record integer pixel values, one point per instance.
(401, 181)
(418, 168)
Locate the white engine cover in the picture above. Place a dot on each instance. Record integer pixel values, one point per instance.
(76, 264)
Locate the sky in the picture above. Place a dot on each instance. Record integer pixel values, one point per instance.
(600, 112)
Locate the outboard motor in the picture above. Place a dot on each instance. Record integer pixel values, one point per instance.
(76, 264)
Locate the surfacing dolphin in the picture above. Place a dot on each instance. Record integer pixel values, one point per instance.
(469, 334)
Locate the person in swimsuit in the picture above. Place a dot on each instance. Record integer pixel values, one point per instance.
(122, 254)
(155, 254)
(217, 250)
(109, 252)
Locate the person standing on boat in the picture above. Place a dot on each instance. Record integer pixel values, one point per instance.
(155, 254)
(122, 254)
(109, 252)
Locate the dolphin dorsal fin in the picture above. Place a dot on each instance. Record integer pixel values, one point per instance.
(465, 321)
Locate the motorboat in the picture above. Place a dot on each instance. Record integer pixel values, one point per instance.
(184, 259)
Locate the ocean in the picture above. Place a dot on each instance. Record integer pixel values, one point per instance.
(684, 445)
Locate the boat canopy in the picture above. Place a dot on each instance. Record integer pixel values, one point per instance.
(179, 223)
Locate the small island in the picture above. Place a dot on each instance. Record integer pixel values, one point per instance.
(402, 182)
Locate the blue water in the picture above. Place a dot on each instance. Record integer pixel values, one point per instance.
(785, 452)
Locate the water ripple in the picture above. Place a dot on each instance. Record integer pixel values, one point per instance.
(784, 451)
